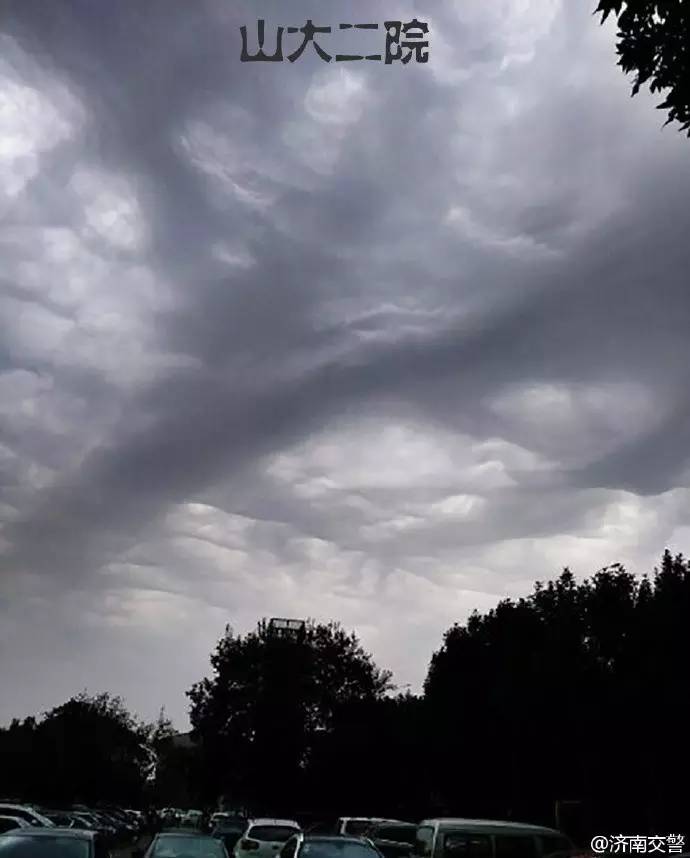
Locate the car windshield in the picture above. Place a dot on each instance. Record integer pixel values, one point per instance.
(271, 833)
(357, 826)
(399, 834)
(333, 849)
(42, 847)
(171, 846)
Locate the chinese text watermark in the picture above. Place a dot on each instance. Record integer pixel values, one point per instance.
(637, 844)
(404, 42)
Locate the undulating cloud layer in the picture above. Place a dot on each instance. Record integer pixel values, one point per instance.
(377, 343)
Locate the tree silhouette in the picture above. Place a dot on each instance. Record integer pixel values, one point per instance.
(269, 702)
(578, 691)
(654, 43)
(89, 749)
(373, 761)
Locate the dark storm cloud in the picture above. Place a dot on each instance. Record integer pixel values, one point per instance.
(488, 251)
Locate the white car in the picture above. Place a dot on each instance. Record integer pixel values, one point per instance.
(192, 817)
(264, 838)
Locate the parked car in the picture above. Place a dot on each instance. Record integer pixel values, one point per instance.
(192, 818)
(10, 823)
(170, 816)
(264, 838)
(328, 846)
(229, 831)
(61, 818)
(122, 828)
(97, 822)
(183, 844)
(33, 817)
(90, 822)
(393, 839)
(226, 816)
(137, 817)
(119, 819)
(36, 842)
(486, 838)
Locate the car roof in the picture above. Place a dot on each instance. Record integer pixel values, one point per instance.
(366, 819)
(75, 833)
(497, 824)
(333, 838)
(285, 822)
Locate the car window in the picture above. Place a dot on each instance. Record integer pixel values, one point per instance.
(325, 827)
(271, 833)
(515, 846)
(42, 847)
(464, 844)
(424, 839)
(355, 827)
(549, 845)
(400, 834)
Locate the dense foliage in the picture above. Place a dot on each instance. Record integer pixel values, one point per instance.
(272, 700)
(88, 749)
(654, 44)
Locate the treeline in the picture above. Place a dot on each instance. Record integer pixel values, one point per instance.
(88, 750)
(577, 694)
(570, 704)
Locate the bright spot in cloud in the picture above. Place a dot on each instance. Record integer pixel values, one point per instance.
(32, 122)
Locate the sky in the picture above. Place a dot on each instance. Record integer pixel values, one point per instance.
(376, 343)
